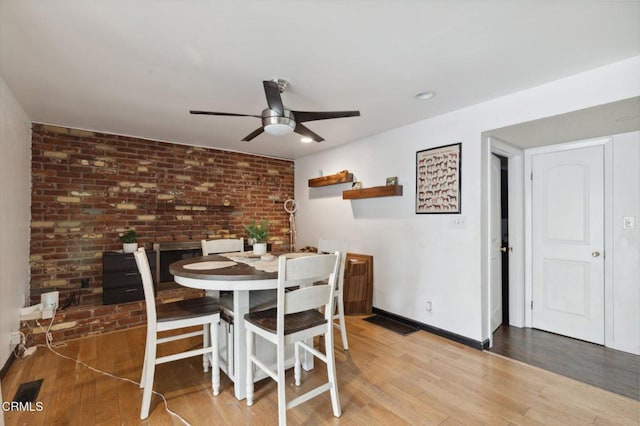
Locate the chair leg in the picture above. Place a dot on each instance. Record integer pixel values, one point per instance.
(249, 384)
(331, 374)
(297, 370)
(206, 342)
(343, 326)
(282, 386)
(215, 358)
(150, 369)
(144, 361)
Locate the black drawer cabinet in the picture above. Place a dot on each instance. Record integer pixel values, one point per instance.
(121, 281)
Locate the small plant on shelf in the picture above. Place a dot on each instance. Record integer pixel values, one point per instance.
(129, 241)
(259, 232)
(129, 236)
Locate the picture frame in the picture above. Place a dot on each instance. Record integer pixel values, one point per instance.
(439, 180)
(392, 180)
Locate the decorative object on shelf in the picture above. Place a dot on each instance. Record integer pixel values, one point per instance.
(438, 179)
(373, 192)
(259, 232)
(341, 177)
(393, 180)
(129, 243)
(291, 207)
(356, 185)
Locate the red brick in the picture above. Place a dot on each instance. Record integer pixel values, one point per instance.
(248, 189)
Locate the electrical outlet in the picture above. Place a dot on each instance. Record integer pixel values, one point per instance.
(458, 222)
(50, 300)
(16, 338)
(428, 307)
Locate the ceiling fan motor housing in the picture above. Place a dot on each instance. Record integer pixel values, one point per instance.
(276, 124)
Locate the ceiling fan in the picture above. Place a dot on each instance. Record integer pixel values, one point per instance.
(278, 120)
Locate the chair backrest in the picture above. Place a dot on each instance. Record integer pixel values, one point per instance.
(224, 245)
(304, 272)
(332, 246)
(147, 283)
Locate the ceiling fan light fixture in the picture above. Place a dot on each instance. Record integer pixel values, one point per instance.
(278, 129)
(277, 125)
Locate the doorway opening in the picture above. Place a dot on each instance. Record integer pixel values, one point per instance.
(504, 231)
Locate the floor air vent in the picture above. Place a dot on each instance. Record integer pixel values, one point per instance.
(28, 392)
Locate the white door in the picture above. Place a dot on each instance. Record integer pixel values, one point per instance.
(496, 243)
(568, 243)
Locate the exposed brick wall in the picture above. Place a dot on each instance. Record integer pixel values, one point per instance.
(88, 187)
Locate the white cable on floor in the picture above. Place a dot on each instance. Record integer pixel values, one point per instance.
(49, 345)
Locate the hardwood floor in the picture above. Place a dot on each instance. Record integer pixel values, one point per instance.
(606, 368)
(384, 379)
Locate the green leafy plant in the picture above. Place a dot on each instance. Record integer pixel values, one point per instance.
(128, 236)
(258, 231)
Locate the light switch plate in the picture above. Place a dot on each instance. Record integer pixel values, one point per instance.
(629, 222)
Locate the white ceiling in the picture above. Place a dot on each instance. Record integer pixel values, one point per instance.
(137, 67)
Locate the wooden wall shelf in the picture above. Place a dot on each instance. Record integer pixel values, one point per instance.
(341, 177)
(373, 192)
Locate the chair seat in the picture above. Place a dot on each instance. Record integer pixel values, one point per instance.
(259, 300)
(293, 323)
(185, 309)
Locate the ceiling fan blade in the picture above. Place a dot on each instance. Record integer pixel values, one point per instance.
(305, 131)
(274, 100)
(228, 114)
(304, 116)
(253, 134)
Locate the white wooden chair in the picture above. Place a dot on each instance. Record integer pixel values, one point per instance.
(296, 319)
(331, 246)
(222, 246)
(171, 316)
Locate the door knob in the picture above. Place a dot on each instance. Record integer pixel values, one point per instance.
(503, 249)
(595, 254)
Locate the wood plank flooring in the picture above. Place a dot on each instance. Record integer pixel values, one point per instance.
(596, 365)
(384, 379)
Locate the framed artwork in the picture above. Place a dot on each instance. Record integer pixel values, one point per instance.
(393, 180)
(438, 179)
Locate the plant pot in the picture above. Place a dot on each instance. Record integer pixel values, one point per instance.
(259, 248)
(129, 247)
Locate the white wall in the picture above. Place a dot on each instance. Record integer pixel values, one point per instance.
(422, 257)
(15, 214)
(626, 242)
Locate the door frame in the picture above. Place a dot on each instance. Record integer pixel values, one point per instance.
(515, 158)
(607, 145)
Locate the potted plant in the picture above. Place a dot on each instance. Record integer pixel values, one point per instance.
(129, 243)
(259, 233)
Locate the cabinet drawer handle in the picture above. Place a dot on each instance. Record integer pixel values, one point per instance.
(131, 273)
(131, 290)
